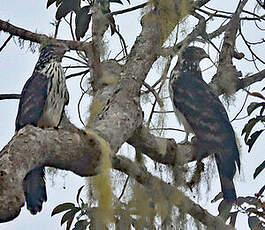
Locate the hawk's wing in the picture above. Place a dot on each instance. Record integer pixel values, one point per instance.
(208, 119)
(32, 101)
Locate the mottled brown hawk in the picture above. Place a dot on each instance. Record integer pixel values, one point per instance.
(202, 113)
(42, 103)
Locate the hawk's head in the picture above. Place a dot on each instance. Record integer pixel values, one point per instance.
(53, 51)
(194, 54)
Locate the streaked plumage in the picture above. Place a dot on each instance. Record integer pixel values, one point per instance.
(202, 113)
(41, 104)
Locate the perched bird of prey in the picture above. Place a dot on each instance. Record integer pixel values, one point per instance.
(202, 113)
(41, 104)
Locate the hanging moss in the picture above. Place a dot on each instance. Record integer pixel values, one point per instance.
(94, 110)
(102, 184)
(170, 15)
(142, 206)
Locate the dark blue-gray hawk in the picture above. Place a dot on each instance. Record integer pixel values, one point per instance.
(42, 102)
(202, 113)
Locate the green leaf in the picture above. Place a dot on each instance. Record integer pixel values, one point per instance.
(69, 216)
(81, 225)
(259, 169)
(50, 2)
(78, 193)
(58, 2)
(250, 142)
(253, 106)
(66, 7)
(262, 111)
(82, 21)
(62, 207)
(253, 222)
(248, 127)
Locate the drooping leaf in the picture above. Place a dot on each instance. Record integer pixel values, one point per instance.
(262, 111)
(249, 126)
(217, 197)
(62, 207)
(58, 2)
(50, 2)
(257, 94)
(250, 142)
(253, 222)
(69, 216)
(259, 169)
(253, 106)
(81, 225)
(78, 193)
(82, 21)
(66, 7)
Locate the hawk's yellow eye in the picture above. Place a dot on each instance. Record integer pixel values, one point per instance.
(57, 46)
(196, 53)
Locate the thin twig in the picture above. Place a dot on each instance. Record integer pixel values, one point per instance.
(9, 96)
(123, 43)
(78, 108)
(75, 59)
(164, 111)
(151, 89)
(57, 24)
(171, 129)
(249, 47)
(6, 41)
(77, 74)
(124, 187)
(128, 9)
(74, 67)
(70, 25)
(241, 109)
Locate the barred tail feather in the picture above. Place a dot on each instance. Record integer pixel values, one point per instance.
(35, 190)
(226, 169)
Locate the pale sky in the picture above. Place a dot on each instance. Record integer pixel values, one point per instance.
(16, 66)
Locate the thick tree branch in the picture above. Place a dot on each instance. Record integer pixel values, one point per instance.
(40, 38)
(161, 150)
(247, 81)
(80, 153)
(168, 192)
(32, 147)
(75, 150)
(226, 78)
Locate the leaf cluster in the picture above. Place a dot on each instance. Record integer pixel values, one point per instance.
(71, 211)
(82, 14)
(260, 118)
(255, 209)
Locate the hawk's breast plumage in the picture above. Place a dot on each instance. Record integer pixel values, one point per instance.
(204, 115)
(42, 102)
